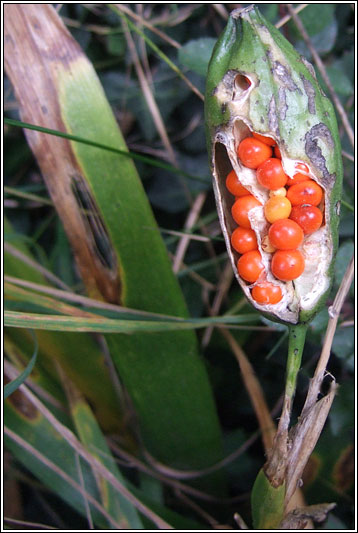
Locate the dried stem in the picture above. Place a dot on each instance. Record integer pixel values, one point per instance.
(286, 18)
(162, 55)
(36, 266)
(334, 312)
(148, 25)
(222, 290)
(25, 524)
(190, 222)
(148, 95)
(254, 390)
(221, 10)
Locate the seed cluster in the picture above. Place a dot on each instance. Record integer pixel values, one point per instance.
(292, 210)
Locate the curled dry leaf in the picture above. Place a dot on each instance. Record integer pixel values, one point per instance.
(303, 438)
(300, 516)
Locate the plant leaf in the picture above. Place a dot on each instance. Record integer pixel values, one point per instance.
(196, 54)
(15, 383)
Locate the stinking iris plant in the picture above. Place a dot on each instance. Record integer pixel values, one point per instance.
(275, 156)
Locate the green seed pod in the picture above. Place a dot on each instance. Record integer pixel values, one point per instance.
(257, 82)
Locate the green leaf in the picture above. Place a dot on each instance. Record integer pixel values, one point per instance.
(315, 18)
(89, 373)
(108, 325)
(340, 81)
(163, 373)
(92, 437)
(26, 422)
(341, 418)
(344, 255)
(15, 383)
(321, 26)
(116, 44)
(343, 345)
(196, 54)
(319, 324)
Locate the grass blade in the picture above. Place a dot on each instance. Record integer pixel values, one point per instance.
(15, 383)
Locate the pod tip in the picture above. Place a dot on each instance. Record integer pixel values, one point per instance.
(240, 12)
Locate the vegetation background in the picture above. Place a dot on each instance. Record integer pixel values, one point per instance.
(172, 130)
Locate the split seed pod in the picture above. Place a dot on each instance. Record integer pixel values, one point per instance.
(258, 83)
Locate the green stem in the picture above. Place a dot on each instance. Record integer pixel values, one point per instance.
(296, 342)
(276, 465)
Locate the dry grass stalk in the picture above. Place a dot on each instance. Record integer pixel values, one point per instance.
(304, 435)
(191, 220)
(148, 95)
(36, 266)
(148, 25)
(222, 290)
(254, 390)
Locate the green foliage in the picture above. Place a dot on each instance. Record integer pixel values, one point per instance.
(344, 254)
(321, 25)
(15, 384)
(195, 54)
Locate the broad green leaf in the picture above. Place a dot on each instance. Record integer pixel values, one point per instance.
(196, 54)
(320, 24)
(339, 79)
(315, 18)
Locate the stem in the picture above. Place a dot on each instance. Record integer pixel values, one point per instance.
(276, 465)
(296, 342)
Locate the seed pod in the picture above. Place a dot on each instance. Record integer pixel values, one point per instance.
(257, 83)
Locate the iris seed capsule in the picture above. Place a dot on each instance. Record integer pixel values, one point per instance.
(280, 100)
